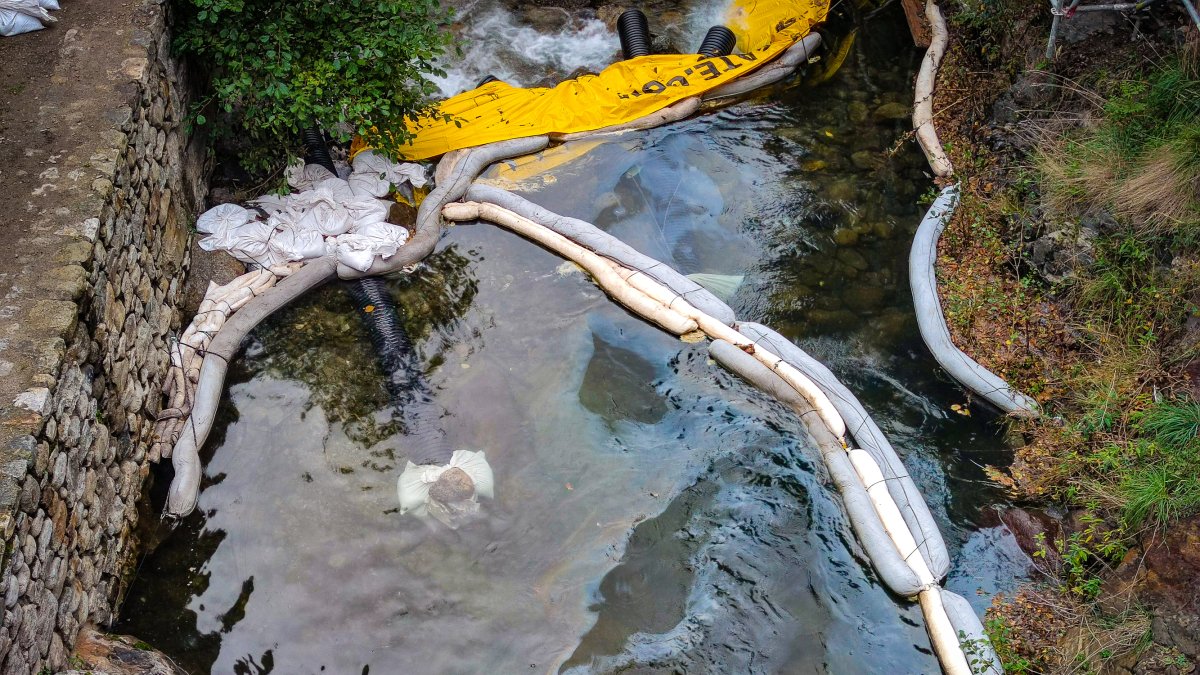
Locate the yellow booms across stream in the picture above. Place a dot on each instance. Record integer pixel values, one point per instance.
(623, 92)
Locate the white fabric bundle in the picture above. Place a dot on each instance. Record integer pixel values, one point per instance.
(301, 176)
(414, 484)
(223, 217)
(25, 16)
(358, 250)
(374, 175)
(329, 217)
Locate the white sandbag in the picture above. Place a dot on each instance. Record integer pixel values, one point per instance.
(414, 483)
(270, 204)
(301, 176)
(49, 4)
(462, 169)
(366, 210)
(248, 242)
(29, 8)
(293, 245)
(223, 217)
(374, 174)
(16, 23)
(359, 249)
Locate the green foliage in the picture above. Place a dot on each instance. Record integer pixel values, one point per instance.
(353, 66)
(990, 23)
(1176, 423)
(979, 654)
(1000, 632)
(1150, 476)
(1162, 481)
(1078, 572)
(1146, 114)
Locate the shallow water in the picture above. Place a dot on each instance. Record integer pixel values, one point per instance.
(653, 512)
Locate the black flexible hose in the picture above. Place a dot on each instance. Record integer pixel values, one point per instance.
(411, 395)
(405, 382)
(634, 32)
(718, 41)
(316, 152)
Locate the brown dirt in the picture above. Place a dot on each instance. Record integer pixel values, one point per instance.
(50, 93)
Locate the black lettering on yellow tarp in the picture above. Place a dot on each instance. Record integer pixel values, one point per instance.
(622, 92)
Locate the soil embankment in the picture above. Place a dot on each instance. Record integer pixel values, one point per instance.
(1070, 271)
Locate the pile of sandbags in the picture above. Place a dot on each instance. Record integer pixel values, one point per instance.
(25, 16)
(328, 215)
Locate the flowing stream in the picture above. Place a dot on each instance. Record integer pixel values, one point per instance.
(653, 512)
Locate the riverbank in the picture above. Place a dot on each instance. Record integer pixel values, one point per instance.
(1071, 271)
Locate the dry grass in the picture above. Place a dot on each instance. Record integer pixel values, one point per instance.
(1159, 193)
(1042, 630)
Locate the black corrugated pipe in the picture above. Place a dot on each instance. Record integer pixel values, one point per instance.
(410, 394)
(405, 382)
(634, 32)
(486, 79)
(315, 150)
(718, 41)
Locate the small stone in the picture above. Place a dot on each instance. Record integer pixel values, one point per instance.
(66, 282)
(892, 111)
(852, 258)
(857, 111)
(56, 316)
(35, 400)
(454, 485)
(842, 191)
(863, 298)
(90, 228)
(866, 160)
(845, 237)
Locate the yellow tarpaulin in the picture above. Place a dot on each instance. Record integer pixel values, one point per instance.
(622, 92)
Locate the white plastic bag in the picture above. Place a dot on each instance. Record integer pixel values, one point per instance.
(25, 16)
(222, 217)
(358, 250)
(374, 174)
(291, 244)
(414, 483)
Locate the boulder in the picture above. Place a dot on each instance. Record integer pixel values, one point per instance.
(120, 655)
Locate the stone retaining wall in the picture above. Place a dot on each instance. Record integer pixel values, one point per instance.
(73, 444)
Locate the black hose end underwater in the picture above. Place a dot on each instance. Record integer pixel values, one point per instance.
(718, 41)
(634, 31)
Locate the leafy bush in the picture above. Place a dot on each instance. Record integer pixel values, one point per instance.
(279, 66)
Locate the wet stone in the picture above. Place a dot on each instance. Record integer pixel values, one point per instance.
(892, 111)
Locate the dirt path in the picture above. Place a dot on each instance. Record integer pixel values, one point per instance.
(54, 94)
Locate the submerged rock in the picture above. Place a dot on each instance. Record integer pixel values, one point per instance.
(892, 111)
(857, 111)
(1036, 532)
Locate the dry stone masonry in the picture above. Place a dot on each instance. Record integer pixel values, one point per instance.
(91, 317)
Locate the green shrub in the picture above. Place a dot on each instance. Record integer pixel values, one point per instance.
(278, 67)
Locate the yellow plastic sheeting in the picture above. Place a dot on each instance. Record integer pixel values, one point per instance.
(622, 92)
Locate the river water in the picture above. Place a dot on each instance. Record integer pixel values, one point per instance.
(653, 513)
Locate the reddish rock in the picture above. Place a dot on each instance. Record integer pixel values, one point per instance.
(1171, 586)
(120, 655)
(1034, 530)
